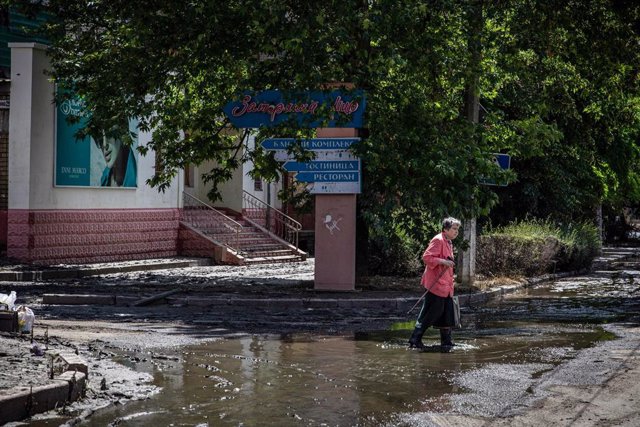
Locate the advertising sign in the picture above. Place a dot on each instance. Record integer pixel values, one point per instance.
(98, 161)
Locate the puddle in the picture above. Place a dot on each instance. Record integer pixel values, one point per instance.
(371, 379)
(364, 379)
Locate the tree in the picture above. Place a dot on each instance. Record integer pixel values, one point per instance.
(573, 66)
(174, 64)
(558, 84)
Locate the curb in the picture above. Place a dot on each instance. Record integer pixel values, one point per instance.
(19, 403)
(79, 272)
(397, 303)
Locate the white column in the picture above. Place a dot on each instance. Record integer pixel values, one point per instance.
(22, 126)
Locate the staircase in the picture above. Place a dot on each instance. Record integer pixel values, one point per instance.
(614, 256)
(261, 234)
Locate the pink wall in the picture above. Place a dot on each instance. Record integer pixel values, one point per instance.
(3, 228)
(335, 247)
(191, 244)
(84, 236)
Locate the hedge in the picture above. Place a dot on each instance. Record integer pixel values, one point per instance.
(534, 247)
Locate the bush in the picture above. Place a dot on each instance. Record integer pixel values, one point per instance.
(535, 247)
(584, 241)
(392, 252)
(396, 242)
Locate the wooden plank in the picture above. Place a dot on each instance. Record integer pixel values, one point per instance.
(149, 300)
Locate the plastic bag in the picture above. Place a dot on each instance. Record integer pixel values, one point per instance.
(8, 300)
(37, 350)
(26, 317)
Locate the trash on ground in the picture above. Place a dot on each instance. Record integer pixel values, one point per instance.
(26, 317)
(37, 350)
(8, 300)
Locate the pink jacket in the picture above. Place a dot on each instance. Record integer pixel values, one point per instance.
(439, 248)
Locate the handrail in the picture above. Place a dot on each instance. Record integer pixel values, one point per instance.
(274, 220)
(198, 214)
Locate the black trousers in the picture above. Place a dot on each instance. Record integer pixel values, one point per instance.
(437, 312)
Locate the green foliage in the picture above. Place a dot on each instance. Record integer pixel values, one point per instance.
(534, 247)
(583, 240)
(393, 254)
(574, 65)
(558, 84)
(396, 245)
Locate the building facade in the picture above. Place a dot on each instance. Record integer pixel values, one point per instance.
(47, 219)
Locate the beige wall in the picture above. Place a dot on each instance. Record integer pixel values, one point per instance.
(32, 149)
(232, 190)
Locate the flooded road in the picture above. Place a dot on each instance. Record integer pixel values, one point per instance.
(504, 351)
(367, 379)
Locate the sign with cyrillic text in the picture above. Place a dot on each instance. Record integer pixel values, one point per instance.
(309, 109)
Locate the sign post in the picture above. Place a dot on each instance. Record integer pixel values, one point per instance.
(335, 229)
(333, 176)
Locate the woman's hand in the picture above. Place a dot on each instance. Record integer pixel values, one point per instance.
(447, 263)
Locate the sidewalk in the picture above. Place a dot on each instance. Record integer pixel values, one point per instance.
(24, 272)
(195, 282)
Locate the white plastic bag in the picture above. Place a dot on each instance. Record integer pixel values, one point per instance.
(8, 300)
(25, 319)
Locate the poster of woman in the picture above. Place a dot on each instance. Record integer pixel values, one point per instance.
(101, 160)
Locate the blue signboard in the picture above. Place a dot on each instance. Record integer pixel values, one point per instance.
(272, 107)
(334, 171)
(342, 166)
(328, 177)
(310, 144)
(503, 161)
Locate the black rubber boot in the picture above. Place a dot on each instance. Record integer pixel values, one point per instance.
(446, 344)
(416, 339)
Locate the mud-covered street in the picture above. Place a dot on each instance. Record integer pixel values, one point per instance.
(563, 353)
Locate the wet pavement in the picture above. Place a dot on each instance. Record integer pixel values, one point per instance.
(316, 367)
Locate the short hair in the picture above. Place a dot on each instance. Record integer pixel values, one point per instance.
(447, 223)
(123, 123)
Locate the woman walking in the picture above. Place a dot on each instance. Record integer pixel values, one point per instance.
(437, 308)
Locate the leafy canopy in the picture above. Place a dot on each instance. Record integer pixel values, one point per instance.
(558, 84)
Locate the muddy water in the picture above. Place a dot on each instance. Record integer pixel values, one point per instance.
(366, 379)
(371, 379)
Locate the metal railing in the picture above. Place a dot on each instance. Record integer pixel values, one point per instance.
(270, 218)
(211, 222)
